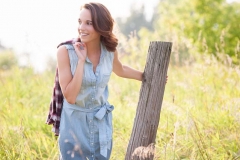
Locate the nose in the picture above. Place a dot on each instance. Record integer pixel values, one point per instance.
(81, 27)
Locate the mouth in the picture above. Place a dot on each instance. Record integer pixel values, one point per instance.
(83, 34)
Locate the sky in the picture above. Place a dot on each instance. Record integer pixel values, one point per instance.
(36, 27)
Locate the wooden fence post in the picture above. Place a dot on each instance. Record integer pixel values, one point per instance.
(142, 142)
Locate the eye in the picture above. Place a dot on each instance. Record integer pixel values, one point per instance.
(89, 23)
(80, 22)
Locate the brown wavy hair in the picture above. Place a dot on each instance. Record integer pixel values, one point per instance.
(103, 24)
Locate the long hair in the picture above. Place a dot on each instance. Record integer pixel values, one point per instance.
(103, 24)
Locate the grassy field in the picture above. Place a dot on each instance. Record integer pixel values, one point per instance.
(200, 117)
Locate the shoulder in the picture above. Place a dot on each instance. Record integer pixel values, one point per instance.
(107, 53)
(62, 53)
(63, 49)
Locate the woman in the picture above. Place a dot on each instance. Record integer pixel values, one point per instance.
(84, 71)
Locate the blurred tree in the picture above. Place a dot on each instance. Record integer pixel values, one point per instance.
(7, 59)
(135, 21)
(213, 26)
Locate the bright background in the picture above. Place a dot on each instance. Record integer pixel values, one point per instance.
(37, 27)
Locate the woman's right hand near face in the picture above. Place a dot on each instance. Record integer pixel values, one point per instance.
(81, 50)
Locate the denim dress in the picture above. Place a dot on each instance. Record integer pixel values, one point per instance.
(86, 126)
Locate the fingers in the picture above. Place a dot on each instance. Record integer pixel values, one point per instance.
(81, 50)
(79, 45)
(82, 46)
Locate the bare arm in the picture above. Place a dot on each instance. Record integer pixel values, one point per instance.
(70, 85)
(125, 71)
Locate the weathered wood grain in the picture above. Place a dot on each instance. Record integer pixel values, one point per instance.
(142, 140)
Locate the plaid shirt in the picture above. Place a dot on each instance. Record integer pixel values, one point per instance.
(55, 110)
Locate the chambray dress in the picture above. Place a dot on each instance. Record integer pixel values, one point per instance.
(86, 126)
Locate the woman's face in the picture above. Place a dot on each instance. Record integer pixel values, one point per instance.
(85, 29)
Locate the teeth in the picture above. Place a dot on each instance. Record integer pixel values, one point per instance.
(83, 34)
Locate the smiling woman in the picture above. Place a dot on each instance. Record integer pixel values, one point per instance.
(85, 66)
(98, 22)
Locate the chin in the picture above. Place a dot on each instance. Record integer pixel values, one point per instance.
(84, 40)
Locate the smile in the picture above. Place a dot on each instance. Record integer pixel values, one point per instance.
(83, 34)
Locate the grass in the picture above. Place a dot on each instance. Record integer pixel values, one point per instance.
(200, 117)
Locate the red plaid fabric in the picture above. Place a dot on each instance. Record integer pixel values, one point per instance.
(54, 115)
(55, 110)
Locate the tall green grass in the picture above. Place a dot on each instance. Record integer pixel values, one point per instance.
(200, 117)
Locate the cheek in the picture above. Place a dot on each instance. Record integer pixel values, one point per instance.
(91, 29)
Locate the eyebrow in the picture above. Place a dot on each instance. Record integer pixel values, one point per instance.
(86, 20)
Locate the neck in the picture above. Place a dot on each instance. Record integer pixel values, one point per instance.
(93, 48)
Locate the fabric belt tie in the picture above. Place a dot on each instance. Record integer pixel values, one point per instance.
(105, 131)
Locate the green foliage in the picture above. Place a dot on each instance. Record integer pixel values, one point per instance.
(199, 117)
(213, 26)
(24, 99)
(7, 60)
